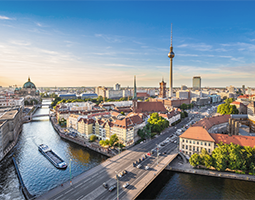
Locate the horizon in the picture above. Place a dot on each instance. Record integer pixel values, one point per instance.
(86, 44)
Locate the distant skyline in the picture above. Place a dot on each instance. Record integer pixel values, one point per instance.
(86, 43)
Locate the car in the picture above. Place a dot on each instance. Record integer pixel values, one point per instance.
(125, 171)
(125, 185)
(119, 175)
(112, 188)
(139, 166)
(141, 142)
(146, 167)
(159, 154)
(105, 185)
(175, 141)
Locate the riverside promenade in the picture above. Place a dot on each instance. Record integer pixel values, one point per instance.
(179, 166)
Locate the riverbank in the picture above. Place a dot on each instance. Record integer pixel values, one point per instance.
(79, 140)
(179, 166)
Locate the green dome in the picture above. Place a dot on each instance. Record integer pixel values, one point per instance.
(29, 84)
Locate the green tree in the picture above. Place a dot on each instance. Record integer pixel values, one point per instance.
(227, 109)
(122, 113)
(114, 140)
(195, 160)
(229, 101)
(93, 138)
(183, 106)
(220, 157)
(206, 159)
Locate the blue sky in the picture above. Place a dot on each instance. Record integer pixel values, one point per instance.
(87, 43)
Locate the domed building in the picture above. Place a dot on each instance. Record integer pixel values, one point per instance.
(29, 92)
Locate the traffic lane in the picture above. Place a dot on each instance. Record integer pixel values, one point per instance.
(138, 174)
(78, 185)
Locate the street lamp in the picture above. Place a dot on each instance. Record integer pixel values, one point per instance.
(70, 170)
(117, 185)
(157, 154)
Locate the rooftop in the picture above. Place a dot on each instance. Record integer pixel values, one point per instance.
(9, 115)
(197, 133)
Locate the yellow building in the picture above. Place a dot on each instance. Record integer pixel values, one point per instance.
(85, 127)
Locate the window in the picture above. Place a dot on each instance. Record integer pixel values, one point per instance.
(186, 146)
(201, 143)
(182, 140)
(205, 143)
(190, 141)
(193, 148)
(193, 142)
(197, 148)
(197, 142)
(183, 146)
(209, 150)
(209, 144)
(186, 141)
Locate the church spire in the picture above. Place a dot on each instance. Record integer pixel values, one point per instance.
(28, 79)
(135, 96)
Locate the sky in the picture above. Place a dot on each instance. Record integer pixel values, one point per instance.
(85, 43)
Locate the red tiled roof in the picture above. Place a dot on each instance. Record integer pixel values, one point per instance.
(142, 94)
(169, 115)
(237, 103)
(235, 139)
(197, 133)
(128, 121)
(115, 114)
(150, 107)
(86, 121)
(207, 123)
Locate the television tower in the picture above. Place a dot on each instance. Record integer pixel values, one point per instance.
(171, 56)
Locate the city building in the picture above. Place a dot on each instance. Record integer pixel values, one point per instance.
(240, 107)
(116, 86)
(172, 116)
(183, 94)
(68, 96)
(184, 87)
(207, 133)
(10, 127)
(196, 83)
(162, 90)
(29, 92)
(251, 108)
(89, 96)
(11, 101)
(243, 89)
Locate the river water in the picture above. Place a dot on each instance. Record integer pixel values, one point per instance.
(40, 175)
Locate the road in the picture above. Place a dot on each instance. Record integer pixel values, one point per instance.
(89, 185)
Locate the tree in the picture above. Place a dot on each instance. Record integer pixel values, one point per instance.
(93, 138)
(227, 109)
(205, 158)
(195, 160)
(229, 101)
(122, 113)
(113, 140)
(183, 106)
(220, 157)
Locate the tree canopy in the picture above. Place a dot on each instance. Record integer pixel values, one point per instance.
(231, 156)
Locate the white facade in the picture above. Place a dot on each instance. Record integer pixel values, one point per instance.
(116, 86)
(11, 101)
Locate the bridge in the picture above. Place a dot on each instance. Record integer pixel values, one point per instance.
(89, 184)
(42, 115)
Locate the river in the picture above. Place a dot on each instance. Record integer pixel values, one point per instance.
(40, 175)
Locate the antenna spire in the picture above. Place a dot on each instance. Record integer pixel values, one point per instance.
(171, 34)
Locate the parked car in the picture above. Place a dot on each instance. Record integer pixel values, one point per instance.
(125, 171)
(139, 166)
(105, 185)
(146, 167)
(125, 185)
(112, 188)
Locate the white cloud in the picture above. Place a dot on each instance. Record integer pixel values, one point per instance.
(198, 47)
(5, 18)
(20, 43)
(38, 24)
